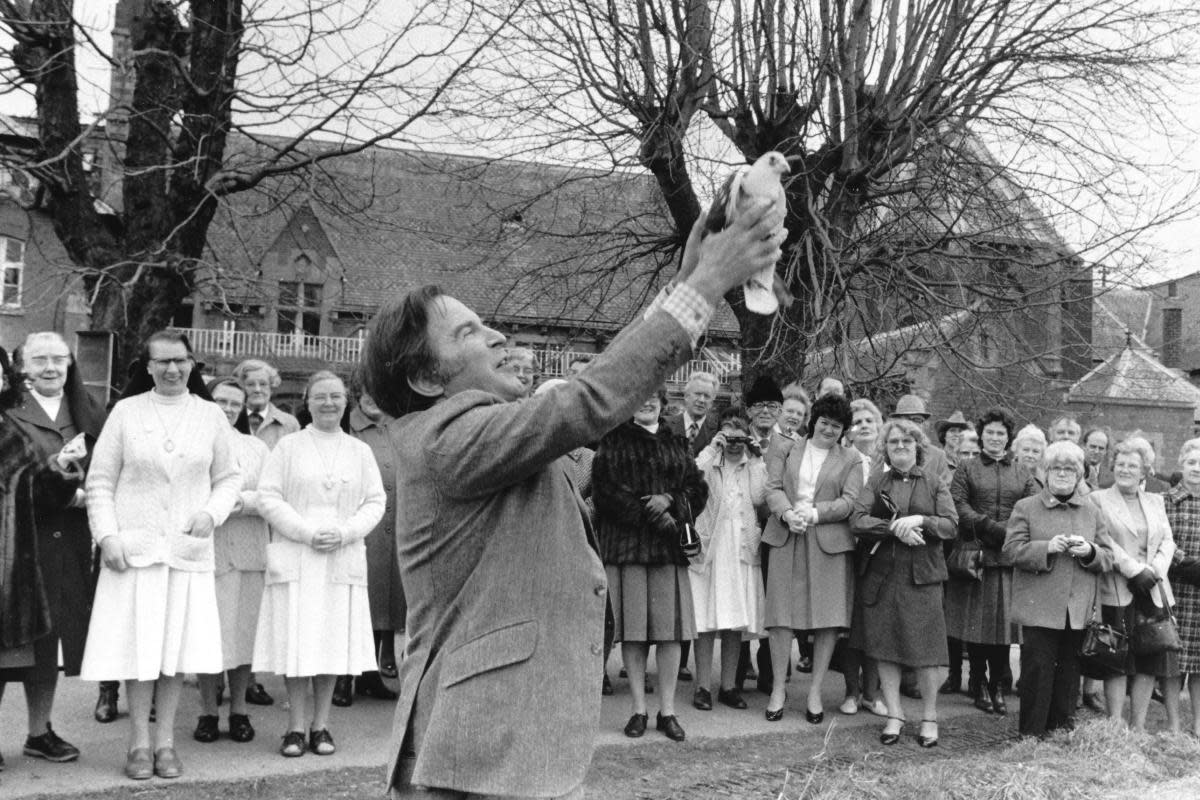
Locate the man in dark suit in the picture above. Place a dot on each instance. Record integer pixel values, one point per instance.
(1098, 474)
(697, 422)
(52, 413)
(506, 596)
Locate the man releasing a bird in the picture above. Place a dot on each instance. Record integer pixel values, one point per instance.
(765, 292)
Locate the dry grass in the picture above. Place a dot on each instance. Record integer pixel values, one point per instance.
(1101, 760)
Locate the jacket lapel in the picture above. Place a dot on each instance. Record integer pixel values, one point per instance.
(791, 473)
(831, 466)
(1119, 511)
(31, 411)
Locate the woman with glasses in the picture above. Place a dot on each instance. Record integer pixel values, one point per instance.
(1059, 546)
(903, 516)
(163, 476)
(321, 493)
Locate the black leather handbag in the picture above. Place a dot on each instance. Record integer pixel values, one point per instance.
(689, 538)
(965, 560)
(1104, 650)
(1157, 634)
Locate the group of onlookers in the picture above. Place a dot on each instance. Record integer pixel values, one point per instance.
(229, 540)
(889, 554)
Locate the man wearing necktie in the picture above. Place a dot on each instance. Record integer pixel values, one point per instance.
(697, 421)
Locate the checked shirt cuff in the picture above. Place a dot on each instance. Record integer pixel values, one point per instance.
(689, 309)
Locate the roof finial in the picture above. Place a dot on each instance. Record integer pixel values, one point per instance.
(1128, 338)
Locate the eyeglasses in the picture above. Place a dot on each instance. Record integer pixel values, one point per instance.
(901, 442)
(58, 361)
(164, 363)
(1062, 470)
(767, 406)
(336, 397)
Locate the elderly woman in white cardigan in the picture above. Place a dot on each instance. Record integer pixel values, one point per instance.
(162, 478)
(321, 492)
(1143, 548)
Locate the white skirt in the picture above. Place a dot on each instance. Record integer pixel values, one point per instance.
(151, 621)
(313, 626)
(727, 593)
(239, 595)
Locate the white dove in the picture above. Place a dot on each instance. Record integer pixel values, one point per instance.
(765, 292)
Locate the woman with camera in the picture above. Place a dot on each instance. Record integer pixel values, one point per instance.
(811, 486)
(727, 588)
(644, 484)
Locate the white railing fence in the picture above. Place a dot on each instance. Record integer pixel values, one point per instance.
(228, 342)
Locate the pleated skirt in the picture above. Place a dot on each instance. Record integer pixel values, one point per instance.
(314, 626)
(651, 604)
(239, 596)
(154, 620)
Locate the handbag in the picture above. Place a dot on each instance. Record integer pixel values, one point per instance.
(689, 538)
(1104, 648)
(966, 560)
(1157, 634)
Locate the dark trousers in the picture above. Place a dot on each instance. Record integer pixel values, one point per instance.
(990, 660)
(1049, 678)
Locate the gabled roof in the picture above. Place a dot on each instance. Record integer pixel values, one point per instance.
(517, 241)
(1136, 377)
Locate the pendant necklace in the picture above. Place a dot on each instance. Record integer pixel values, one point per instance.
(329, 481)
(169, 441)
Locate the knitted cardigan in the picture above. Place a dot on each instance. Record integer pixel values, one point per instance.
(631, 463)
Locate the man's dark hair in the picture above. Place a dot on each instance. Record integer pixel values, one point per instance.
(737, 416)
(398, 348)
(833, 407)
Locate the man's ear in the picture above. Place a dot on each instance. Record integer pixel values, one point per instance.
(426, 386)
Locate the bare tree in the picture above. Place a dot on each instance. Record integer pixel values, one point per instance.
(214, 98)
(937, 144)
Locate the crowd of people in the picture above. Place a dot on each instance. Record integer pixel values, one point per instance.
(223, 539)
(227, 538)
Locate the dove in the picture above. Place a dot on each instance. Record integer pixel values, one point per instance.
(765, 292)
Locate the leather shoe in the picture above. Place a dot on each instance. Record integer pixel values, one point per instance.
(1094, 701)
(256, 695)
(731, 697)
(636, 727)
(928, 741)
(388, 670)
(671, 727)
(106, 703)
(910, 690)
(321, 743)
(814, 717)
(342, 697)
(804, 664)
(240, 729)
(702, 699)
(206, 729)
(952, 685)
(371, 685)
(685, 674)
(999, 705)
(139, 765)
(50, 747)
(983, 700)
(167, 763)
(606, 687)
(886, 738)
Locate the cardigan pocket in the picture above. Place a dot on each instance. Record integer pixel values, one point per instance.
(189, 553)
(497, 648)
(350, 565)
(283, 562)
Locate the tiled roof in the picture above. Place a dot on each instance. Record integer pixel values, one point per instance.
(516, 241)
(1133, 375)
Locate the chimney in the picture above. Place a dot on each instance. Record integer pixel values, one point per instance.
(1172, 337)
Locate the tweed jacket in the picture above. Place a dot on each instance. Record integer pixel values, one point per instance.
(1052, 589)
(708, 429)
(838, 484)
(506, 594)
(913, 493)
(631, 463)
(984, 490)
(1160, 548)
(275, 425)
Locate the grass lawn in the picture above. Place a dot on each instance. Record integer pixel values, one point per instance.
(1100, 760)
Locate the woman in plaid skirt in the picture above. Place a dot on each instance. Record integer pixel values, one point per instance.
(1183, 511)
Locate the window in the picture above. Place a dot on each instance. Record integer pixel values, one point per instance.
(12, 265)
(299, 308)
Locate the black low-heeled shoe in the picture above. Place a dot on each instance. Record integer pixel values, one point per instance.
(670, 726)
(892, 738)
(206, 729)
(636, 727)
(814, 717)
(928, 741)
(731, 697)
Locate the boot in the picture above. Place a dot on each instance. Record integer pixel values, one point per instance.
(996, 695)
(106, 703)
(343, 696)
(980, 697)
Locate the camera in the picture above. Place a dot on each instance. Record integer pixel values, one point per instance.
(737, 439)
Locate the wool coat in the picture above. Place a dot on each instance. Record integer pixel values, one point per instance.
(1055, 590)
(64, 542)
(1160, 545)
(506, 595)
(384, 589)
(631, 463)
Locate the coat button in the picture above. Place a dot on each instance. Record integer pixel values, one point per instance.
(600, 589)
(597, 650)
(58, 534)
